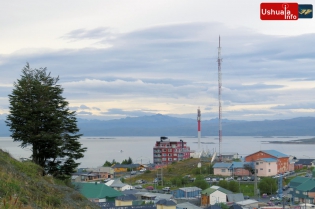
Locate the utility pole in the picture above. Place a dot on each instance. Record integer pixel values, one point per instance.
(219, 95)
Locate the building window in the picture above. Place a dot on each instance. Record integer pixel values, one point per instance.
(169, 154)
(175, 154)
(170, 150)
(269, 170)
(261, 169)
(169, 159)
(297, 192)
(257, 163)
(164, 150)
(269, 163)
(175, 159)
(164, 154)
(223, 170)
(163, 159)
(261, 162)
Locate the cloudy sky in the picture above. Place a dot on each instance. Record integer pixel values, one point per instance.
(120, 58)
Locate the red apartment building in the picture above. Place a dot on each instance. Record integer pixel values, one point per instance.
(166, 151)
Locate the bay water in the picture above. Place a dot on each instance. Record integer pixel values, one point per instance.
(140, 148)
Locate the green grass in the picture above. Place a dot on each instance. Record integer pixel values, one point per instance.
(23, 186)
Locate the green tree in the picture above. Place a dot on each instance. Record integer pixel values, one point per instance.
(40, 118)
(201, 183)
(233, 186)
(224, 184)
(107, 164)
(267, 185)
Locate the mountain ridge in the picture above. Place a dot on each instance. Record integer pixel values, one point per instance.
(159, 125)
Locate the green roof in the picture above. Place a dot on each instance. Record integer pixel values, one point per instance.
(225, 191)
(297, 181)
(97, 191)
(208, 191)
(308, 185)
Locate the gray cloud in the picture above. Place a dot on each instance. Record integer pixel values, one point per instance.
(176, 64)
(84, 113)
(97, 33)
(84, 107)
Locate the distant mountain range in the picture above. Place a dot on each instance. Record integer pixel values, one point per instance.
(162, 125)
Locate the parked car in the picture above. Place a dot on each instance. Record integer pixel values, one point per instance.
(246, 197)
(143, 169)
(192, 179)
(139, 181)
(138, 187)
(150, 188)
(244, 178)
(166, 189)
(207, 179)
(239, 179)
(133, 172)
(270, 203)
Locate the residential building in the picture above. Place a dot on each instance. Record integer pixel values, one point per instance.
(232, 169)
(302, 189)
(282, 159)
(187, 205)
(266, 167)
(250, 203)
(186, 192)
(125, 200)
(165, 204)
(166, 151)
(125, 167)
(118, 185)
(213, 195)
(97, 192)
(305, 162)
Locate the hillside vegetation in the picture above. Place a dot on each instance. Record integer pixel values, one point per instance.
(23, 186)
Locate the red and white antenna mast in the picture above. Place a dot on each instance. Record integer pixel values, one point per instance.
(220, 106)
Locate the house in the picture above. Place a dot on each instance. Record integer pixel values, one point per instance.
(92, 174)
(232, 198)
(97, 192)
(214, 207)
(165, 151)
(250, 203)
(125, 200)
(213, 195)
(187, 205)
(186, 192)
(102, 172)
(228, 156)
(165, 204)
(232, 169)
(282, 160)
(266, 167)
(125, 167)
(305, 162)
(302, 189)
(149, 196)
(118, 185)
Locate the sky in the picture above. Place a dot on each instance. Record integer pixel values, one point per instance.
(122, 58)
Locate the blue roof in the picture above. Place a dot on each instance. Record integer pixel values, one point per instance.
(240, 164)
(275, 153)
(268, 159)
(222, 165)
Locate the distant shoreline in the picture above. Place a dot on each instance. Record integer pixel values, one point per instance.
(297, 141)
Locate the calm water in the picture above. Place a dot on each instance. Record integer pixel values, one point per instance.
(140, 149)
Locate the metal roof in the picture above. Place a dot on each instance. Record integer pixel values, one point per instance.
(97, 191)
(246, 202)
(308, 185)
(208, 191)
(275, 153)
(187, 205)
(235, 197)
(214, 207)
(166, 202)
(127, 197)
(297, 181)
(222, 165)
(189, 189)
(304, 161)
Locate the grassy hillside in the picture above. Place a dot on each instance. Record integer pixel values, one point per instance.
(22, 186)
